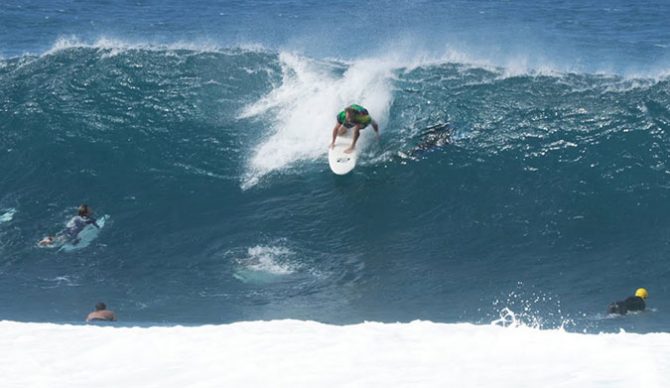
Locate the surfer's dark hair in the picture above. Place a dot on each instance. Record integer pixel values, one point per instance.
(83, 209)
(100, 306)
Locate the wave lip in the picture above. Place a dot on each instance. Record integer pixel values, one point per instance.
(119, 45)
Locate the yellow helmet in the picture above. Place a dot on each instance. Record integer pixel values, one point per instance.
(642, 293)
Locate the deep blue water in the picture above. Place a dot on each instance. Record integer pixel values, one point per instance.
(523, 161)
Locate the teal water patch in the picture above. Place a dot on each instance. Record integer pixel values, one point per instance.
(558, 181)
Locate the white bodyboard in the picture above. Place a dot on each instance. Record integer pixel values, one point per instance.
(86, 236)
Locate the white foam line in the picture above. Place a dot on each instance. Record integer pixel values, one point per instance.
(403, 52)
(309, 354)
(119, 45)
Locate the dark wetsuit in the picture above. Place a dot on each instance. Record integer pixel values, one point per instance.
(633, 303)
(75, 226)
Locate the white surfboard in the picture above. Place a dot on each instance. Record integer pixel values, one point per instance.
(86, 236)
(340, 162)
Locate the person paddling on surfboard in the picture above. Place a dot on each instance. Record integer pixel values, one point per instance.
(356, 117)
(72, 228)
(632, 303)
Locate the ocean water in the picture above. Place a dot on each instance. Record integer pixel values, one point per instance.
(522, 175)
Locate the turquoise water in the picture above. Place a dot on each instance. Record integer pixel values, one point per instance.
(202, 131)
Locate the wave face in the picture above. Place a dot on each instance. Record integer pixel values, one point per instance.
(498, 186)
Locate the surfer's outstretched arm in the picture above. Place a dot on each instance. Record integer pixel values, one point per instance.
(46, 241)
(51, 240)
(375, 126)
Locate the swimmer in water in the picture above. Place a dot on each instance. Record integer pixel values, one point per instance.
(101, 314)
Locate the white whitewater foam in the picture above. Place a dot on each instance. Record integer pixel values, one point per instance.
(268, 259)
(407, 53)
(118, 45)
(8, 215)
(309, 354)
(265, 264)
(302, 110)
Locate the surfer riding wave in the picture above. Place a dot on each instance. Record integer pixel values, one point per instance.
(353, 117)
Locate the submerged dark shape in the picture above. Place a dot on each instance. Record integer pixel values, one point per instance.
(431, 139)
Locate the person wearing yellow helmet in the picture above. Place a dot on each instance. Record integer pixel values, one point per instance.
(632, 303)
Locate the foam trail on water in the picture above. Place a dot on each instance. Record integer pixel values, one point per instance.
(301, 111)
(265, 263)
(116, 46)
(268, 259)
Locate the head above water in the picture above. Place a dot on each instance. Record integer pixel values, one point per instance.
(100, 306)
(642, 293)
(84, 210)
